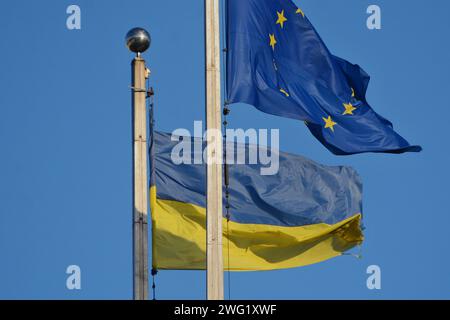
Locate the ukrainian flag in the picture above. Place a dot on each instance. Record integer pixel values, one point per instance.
(305, 214)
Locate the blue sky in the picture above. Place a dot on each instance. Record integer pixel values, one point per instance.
(65, 156)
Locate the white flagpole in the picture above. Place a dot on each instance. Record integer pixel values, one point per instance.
(214, 268)
(140, 183)
(138, 40)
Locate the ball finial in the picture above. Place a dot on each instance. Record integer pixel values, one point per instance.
(138, 40)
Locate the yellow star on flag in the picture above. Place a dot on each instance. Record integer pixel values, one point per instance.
(349, 108)
(285, 92)
(329, 123)
(273, 41)
(353, 92)
(281, 19)
(299, 11)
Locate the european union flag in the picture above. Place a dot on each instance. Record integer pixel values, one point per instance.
(278, 63)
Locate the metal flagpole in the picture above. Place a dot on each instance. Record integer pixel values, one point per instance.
(214, 257)
(138, 40)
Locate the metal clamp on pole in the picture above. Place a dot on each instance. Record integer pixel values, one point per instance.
(138, 89)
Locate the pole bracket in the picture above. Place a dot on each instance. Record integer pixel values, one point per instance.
(150, 92)
(134, 89)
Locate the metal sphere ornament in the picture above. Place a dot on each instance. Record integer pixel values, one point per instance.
(138, 40)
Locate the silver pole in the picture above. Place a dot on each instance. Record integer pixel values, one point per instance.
(138, 40)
